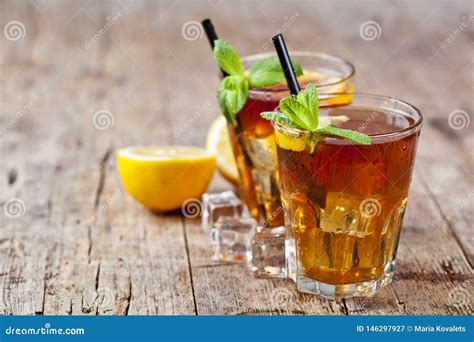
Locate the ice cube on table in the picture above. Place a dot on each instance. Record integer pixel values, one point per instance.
(219, 204)
(290, 257)
(268, 253)
(231, 239)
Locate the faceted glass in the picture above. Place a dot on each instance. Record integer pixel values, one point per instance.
(345, 202)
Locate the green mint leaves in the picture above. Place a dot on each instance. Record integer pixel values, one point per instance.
(302, 112)
(234, 88)
(347, 134)
(279, 118)
(232, 96)
(299, 111)
(227, 58)
(268, 72)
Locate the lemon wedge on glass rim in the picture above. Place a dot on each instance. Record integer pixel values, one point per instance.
(162, 178)
(218, 143)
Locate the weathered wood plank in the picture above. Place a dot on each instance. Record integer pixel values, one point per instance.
(147, 261)
(229, 288)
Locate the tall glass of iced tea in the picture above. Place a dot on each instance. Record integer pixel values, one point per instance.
(253, 138)
(345, 202)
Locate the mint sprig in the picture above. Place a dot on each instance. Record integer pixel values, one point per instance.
(234, 88)
(302, 112)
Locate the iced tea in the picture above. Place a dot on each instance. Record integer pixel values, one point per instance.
(345, 202)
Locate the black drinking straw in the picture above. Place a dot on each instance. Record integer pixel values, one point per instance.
(285, 62)
(211, 35)
(210, 31)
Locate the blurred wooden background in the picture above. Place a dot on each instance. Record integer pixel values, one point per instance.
(72, 242)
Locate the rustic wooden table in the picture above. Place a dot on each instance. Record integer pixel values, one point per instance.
(72, 242)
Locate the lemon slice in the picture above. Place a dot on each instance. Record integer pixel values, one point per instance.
(298, 143)
(218, 143)
(291, 143)
(162, 178)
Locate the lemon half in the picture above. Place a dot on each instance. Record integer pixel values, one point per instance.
(162, 178)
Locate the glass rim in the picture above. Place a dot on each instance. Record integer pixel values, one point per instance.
(411, 128)
(296, 53)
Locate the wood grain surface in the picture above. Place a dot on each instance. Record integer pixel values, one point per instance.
(73, 242)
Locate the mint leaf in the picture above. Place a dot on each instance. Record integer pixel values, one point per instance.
(309, 97)
(354, 136)
(232, 96)
(267, 72)
(299, 113)
(227, 58)
(302, 110)
(278, 117)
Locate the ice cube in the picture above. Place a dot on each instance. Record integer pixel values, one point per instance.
(219, 204)
(268, 253)
(232, 239)
(350, 214)
(341, 215)
(290, 256)
(262, 152)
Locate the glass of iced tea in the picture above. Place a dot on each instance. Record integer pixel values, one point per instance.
(253, 138)
(345, 202)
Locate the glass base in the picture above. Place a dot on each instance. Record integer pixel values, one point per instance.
(334, 292)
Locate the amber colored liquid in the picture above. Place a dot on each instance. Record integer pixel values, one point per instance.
(251, 132)
(346, 201)
(254, 149)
